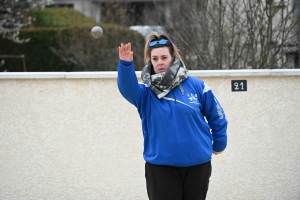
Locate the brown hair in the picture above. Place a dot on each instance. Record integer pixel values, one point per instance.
(171, 46)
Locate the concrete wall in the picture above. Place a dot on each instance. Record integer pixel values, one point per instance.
(73, 136)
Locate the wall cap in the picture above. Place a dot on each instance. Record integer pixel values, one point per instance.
(113, 74)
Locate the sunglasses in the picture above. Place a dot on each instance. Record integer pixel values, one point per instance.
(160, 42)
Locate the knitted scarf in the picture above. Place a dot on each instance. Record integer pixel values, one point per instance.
(162, 84)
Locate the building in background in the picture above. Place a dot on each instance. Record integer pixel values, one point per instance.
(88, 8)
(96, 9)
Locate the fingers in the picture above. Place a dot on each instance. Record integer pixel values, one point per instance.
(126, 47)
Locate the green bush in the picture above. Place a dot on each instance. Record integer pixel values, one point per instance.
(60, 40)
(60, 17)
(38, 55)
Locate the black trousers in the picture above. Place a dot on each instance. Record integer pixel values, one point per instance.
(177, 183)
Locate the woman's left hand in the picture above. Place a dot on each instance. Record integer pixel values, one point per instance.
(217, 153)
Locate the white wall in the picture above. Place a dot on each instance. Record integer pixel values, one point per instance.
(73, 136)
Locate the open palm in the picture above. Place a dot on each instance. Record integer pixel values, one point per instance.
(125, 52)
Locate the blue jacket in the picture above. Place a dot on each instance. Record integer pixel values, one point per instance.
(178, 129)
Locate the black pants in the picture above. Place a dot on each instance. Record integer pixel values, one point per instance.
(177, 183)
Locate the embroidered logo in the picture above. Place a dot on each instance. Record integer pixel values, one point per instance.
(193, 98)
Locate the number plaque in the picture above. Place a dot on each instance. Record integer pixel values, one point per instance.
(238, 85)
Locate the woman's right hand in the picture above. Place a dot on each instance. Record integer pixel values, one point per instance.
(125, 52)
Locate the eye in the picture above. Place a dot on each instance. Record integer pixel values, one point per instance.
(154, 59)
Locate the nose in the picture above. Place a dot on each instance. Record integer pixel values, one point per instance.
(160, 62)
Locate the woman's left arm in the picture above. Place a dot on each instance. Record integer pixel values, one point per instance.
(216, 119)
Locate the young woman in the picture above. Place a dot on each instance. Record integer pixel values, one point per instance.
(182, 121)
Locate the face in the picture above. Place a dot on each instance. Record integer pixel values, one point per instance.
(161, 59)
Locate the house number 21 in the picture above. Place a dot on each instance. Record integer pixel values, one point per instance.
(238, 85)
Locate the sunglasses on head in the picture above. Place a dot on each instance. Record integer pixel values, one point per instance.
(160, 42)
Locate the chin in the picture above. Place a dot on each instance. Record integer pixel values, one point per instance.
(160, 72)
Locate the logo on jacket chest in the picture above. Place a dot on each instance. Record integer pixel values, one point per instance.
(193, 98)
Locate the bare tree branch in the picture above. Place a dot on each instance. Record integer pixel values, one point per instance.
(13, 16)
(232, 34)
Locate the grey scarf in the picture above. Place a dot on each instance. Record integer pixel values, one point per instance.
(162, 84)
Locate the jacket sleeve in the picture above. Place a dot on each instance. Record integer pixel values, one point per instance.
(216, 119)
(128, 84)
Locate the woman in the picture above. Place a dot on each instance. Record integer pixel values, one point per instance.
(182, 121)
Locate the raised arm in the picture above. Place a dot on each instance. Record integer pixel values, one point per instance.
(128, 84)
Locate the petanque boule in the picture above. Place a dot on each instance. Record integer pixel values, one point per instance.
(97, 32)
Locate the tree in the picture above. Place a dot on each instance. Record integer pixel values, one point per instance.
(232, 34)
(14, 16)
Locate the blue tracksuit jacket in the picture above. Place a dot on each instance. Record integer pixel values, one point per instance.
(179, 129)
